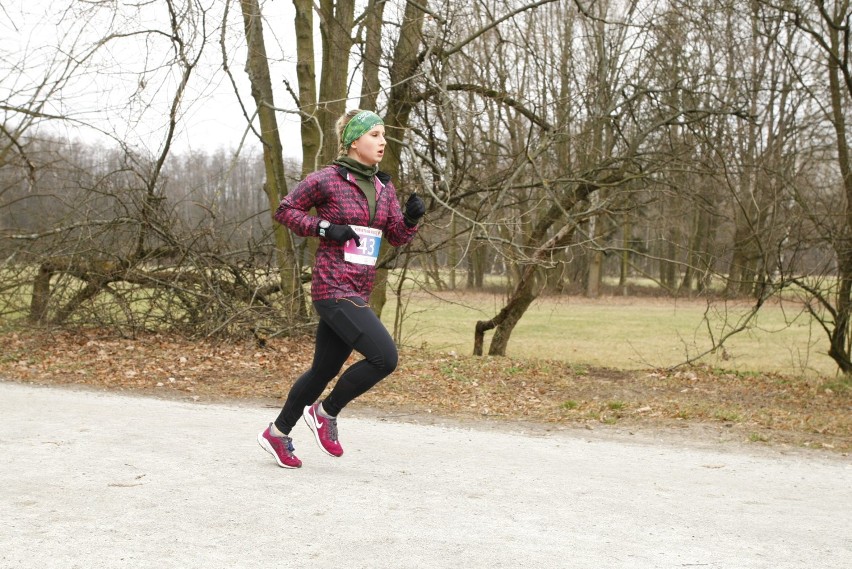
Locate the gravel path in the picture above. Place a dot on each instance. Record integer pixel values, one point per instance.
(91, 480)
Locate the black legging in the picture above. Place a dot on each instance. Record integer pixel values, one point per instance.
(346, 324)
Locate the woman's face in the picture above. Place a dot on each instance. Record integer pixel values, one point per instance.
(369, 148)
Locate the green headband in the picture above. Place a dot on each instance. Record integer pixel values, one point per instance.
(360, 125)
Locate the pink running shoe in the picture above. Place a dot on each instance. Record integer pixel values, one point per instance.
(324, 429)
(279, 447)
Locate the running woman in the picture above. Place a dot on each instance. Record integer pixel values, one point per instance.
(356, 207)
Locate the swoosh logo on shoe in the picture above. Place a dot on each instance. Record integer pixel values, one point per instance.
(317, 422)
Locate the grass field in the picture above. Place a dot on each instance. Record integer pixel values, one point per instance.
(624, 333)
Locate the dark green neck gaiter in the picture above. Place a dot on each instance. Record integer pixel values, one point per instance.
(364, 178)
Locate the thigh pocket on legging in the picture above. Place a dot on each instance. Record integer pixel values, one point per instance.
(345, 327)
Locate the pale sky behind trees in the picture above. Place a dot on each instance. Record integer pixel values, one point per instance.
(125, 89)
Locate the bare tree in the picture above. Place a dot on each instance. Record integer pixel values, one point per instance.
(823, 27)
(273, 158)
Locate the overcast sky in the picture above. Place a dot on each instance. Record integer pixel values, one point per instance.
(123, 89)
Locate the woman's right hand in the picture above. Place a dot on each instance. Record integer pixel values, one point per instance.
(342, 234)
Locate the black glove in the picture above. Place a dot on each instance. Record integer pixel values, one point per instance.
(414, 210)
(342, 234)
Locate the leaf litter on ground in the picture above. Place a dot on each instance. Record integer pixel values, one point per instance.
(766, 409)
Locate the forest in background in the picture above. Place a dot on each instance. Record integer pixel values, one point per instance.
(562, 145)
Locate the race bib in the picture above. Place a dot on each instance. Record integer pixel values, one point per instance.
(368, 251)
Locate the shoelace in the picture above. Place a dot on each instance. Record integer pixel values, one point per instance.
(332, 428)
(288, 443)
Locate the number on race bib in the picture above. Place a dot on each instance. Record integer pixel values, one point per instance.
(368, 246)
(368, 251)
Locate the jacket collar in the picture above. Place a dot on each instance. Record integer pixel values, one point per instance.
(383, 177)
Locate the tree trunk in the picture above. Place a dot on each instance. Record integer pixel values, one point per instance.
(688, 279)
(336, 19)
(741, 271)
(41, 294)
(839, 350)
(668, 260)
(624, 268)
(370, 86)
(275, 187)
(306, 76)
(525, 291)
(593, 282)
(476, 264)
(453, 253)
(405, 64)
(506, 320)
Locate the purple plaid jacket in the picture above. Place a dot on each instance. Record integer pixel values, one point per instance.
(338, 199)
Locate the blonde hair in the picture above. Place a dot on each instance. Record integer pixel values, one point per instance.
(339, 128)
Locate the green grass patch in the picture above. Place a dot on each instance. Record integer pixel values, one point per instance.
(840, 385)
(727, 416)
(624, 333)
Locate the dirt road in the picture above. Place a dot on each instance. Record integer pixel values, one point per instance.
(100, 480)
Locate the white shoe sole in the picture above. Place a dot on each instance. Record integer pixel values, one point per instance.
(309, 419)
(264, 444)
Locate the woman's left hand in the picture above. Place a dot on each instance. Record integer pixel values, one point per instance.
(414, 210)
